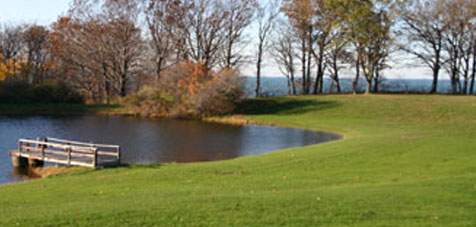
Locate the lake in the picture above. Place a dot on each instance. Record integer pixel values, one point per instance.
(149, 141)
(278, 86)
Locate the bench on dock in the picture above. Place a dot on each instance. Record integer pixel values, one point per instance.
(65, 152)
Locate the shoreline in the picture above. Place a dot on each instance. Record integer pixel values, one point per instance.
(39, 173)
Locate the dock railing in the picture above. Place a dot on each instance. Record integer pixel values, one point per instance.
(70, 153)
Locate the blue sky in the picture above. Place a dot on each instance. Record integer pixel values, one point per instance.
(32, 11)
(44, 12)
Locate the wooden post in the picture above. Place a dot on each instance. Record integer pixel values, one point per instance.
(43, 148)
(119, 156)
(19, 161)
(68, 149)
(95, 159)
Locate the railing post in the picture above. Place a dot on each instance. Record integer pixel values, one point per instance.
(95, 159)
(119, 155)
(68, 149)
(43, 148)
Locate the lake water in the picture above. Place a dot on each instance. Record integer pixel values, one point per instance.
(277, 86)
(148, 141)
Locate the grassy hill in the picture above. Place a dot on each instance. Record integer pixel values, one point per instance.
(405, 161)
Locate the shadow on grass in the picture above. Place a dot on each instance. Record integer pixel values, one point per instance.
(282, 106)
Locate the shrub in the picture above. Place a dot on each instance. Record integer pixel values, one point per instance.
(15, 91)
(189, 90)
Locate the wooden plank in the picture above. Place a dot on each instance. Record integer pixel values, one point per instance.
(56, 152)
(58, 161)
(56, 145)
(106, 153)
(82, 143)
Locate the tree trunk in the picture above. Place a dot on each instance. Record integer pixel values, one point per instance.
(303, 55)
(466, 67)
(321, 83)
(309, 58)
(369, 87)
(339, 90)
(376, 85)
(159, 68)
(355, 83)
(434, 85)
(107, 87)
(124, 79)
(293, 83)
(436, 73)
(318, 86)
(473, 73)
(471, 88)
(318, 77)
(258, 68)
(288, 78)
(258, 79)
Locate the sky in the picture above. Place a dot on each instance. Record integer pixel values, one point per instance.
(45, 12)
(42, 12)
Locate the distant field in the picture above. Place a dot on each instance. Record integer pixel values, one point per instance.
(405, 161)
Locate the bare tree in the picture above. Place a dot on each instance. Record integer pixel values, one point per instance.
(204, 31)
(458, 42)
(266, 17)
(163, 21)
(241, 13)
(336, 56)
(284, 53)
(424, 28)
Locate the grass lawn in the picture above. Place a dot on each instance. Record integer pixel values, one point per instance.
(405, 161)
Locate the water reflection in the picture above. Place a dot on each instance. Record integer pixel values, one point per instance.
(146, 141)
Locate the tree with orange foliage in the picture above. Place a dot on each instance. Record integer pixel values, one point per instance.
(10, 48)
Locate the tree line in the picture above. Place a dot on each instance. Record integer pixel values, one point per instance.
(111, 48)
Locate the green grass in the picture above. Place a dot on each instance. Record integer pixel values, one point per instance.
(405, 161)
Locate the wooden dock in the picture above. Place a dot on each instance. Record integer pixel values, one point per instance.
(64, 152)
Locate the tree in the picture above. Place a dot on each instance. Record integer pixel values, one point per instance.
(458, 42)
(266, 17)
(204, 31)
(163, 21)
(284, 54)
(301, 15)
(326, 30)
(337, 54)
(367, 27)
(375, 49)
(241, 13)
(423, 31)
(74, 45)
(99, 45)
(35, 39)
(11, 47)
